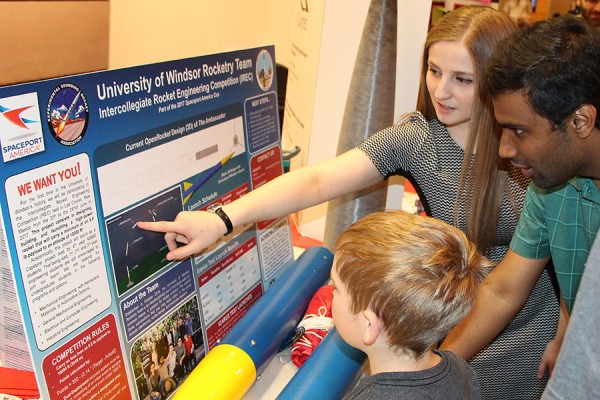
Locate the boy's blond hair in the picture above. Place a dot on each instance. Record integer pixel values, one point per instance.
(419, 275)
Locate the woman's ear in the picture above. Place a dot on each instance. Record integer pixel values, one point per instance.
(583, 120)
(371, 328)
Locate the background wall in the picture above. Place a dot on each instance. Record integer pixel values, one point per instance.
(143, 32)
(335, 71)
(46, 39)
(122, 33)
(317, 92)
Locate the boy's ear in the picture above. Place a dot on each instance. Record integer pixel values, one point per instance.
(583, 120)
(371, 327)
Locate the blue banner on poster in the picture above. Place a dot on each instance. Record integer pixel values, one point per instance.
(86, 157)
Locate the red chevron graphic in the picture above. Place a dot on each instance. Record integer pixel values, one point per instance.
(14, 116)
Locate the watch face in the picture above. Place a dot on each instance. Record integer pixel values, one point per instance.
(213, 207)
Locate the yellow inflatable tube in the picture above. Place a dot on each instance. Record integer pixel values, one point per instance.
(227, 372)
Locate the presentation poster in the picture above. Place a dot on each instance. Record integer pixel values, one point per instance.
(89, 301)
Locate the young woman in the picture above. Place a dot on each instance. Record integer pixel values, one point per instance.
(437, 147)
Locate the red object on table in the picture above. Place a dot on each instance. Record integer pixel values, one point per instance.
(317, 322)
(302, 241)
(19, 383)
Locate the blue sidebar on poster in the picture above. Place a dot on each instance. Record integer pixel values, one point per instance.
(89, 301)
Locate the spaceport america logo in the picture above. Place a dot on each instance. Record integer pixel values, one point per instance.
(20, 127)
(67, 114)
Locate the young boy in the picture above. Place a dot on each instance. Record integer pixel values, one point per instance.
(402, 281)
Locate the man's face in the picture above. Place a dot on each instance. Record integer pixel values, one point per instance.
(590, 9)
(528, 141)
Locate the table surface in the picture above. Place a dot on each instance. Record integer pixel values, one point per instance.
(274, 378)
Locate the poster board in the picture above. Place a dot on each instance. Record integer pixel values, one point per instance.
(88, 298)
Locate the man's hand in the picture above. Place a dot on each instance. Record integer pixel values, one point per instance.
(549, 358)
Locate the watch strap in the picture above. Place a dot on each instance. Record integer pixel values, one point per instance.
(225, 218)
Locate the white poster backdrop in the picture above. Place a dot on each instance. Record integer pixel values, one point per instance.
(342, 27)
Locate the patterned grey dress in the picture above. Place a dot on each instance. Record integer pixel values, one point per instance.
(425, 153)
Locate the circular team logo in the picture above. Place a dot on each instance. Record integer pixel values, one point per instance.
(264, 70)
(67, 114)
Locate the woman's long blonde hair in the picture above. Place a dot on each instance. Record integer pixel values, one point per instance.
(482, 182)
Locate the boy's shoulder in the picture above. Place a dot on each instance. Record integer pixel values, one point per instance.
(451, 378)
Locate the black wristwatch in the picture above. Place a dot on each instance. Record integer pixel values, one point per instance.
(219, 211)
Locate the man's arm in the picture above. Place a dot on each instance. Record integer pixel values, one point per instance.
(502, 295)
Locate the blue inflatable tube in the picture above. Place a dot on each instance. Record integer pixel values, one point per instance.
(231, 368)
(272, 320)
(330, 372)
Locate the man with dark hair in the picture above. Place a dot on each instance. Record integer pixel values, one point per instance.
(545, 84)
(154, 383)
(180, 356)
(590, 10)
(162, 346)
(171, 335)
(181, 329)
(145, 360)
(189, 325)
